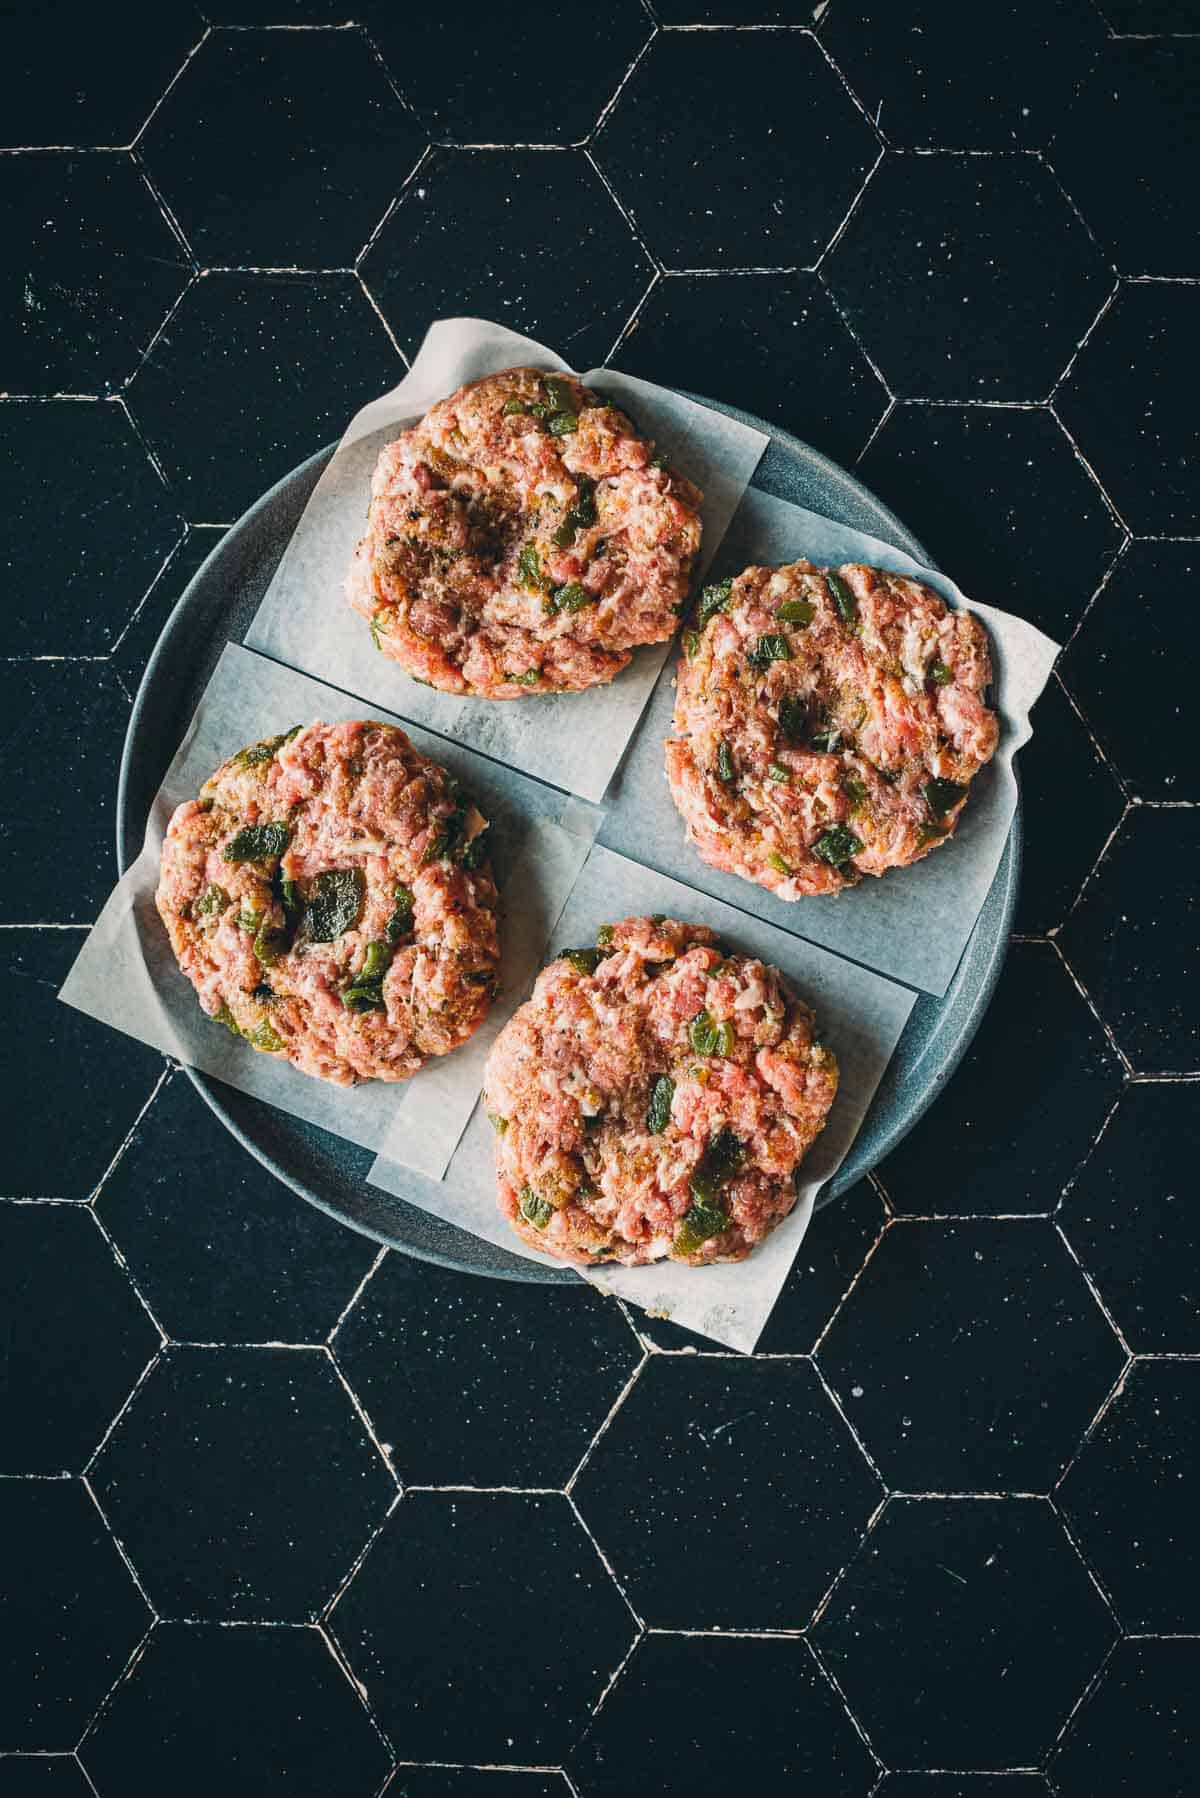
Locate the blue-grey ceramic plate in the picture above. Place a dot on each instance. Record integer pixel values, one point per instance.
(219, 604)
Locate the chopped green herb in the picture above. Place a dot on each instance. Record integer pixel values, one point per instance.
(535, 1210)
(264, 1038)
(720, 1160)
(768, 650)
(257, 841)
(584, 961)
(572, 598)
(511, 408)
(703, 1034)
(843, 598)
(499, 1124)
(855, 790)
(691, 644)
(793, 717)
(777, 771)
(334, 902)
(776, 861)
(837, 846)
(939, 674)
(725, 768)
(605, 936)
(401, 920)
(942, 795)
(662, 1091)
(713, 599)
(212, 899)
(796, 611)
(563, 424)
(530, 678)
(698, 1224)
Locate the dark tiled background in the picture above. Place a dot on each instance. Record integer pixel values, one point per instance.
(282, 1515)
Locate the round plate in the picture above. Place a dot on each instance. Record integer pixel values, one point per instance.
(218, 605)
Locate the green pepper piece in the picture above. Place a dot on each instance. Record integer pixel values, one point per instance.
(212, 899)
(256, 842)
(364, 995)
(777, 772)
(376, 960)
(401, 920)
(826, 740)
(269, 943)
(720, 1160)
(776, 861)
(379, 630)
(474, 852)
(703, 1034)
(725, 1038)
(249, 920)
(446, 838)
(226, 1017)
(939, 674)
(529, 569)
(511, 408)
(768, 650)
(837, 845)
(499, 1124)
(793, 717)
(725, 768)
(265, 1038)
(530, 678)
(856, 791)
(713, 599)
(931, 833)
(559, 394)
(563, 424)
(658, 1113)
(584, 961)
(691, 644)
(535, 1210)
(605, 936)
(258, 753)
(842, 596)
(289, 898)
(573, 597)
(942, 795)
(699, 1223)
(796, 611)
(335, 900)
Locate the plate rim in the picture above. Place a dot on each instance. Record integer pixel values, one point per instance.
(210, 1089)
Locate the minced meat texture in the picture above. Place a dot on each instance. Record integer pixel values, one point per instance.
(523, 539)
(329, 897)
(653, 1099)
(828, 724)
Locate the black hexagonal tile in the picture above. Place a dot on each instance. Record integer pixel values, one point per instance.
(1135, 624)
(75, 1337)
(736, 150)
(133, 648)
(491, 233)
(964, 1632)
(42, 1776)
(519, 1414)
(940, 1356)
(300, 171)
(1132, 1217)
(1040, 1057)
(222, 1251)
(58, 1054)
(92, 269)
(1125, 406)
(967, 277)
(776, 1715)
(483, 1626)
(473, 1782)
(74, 76)
(930, 77)
(70, 1616)
(999, 497)
(242, 1483)
(253, 374)
(1132, 1494)
(471, 78)
(208, 1709)
(727, 1493)
(964, 1785)
(1060, 844)
(89, 525)
(1124, 939)
(784, 353)
(1126, 148)
(70, 717)
(1137, 1732)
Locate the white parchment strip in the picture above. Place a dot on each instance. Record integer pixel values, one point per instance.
(126, 974)
(860, 1015)
(912, 924)
(574, 740)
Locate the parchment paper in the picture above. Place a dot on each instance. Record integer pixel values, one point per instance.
(860, 1015)
(914, 923)
(574, 740)
(126, 974)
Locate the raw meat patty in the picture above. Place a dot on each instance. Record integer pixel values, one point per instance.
(522, 538)
(828, 723)
(653, 1099)
(330, 899)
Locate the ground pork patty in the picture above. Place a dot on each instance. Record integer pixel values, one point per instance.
(330, 899)
(828, 723)
(653, 1099)
(523, 538)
